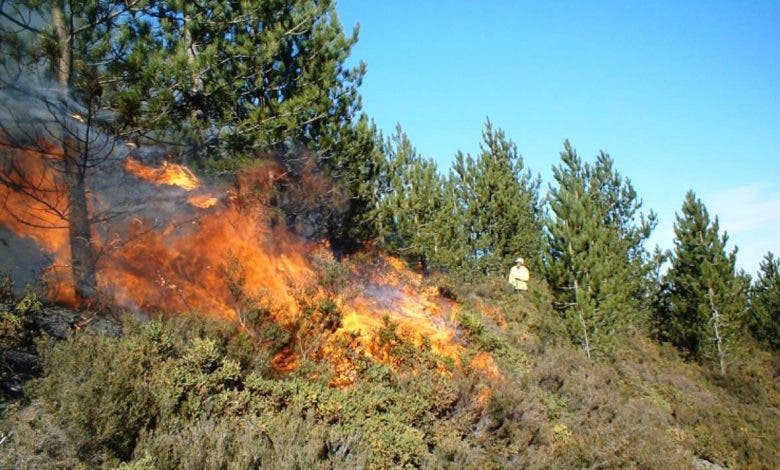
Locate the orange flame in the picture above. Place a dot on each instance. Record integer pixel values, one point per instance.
(203, 201)
(169, 173)
(32, 206)
(217, 262)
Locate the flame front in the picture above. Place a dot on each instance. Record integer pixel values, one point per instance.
(203, 201)
(212, 261)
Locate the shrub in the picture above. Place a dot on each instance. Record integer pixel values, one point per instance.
(191, 392)
(12, 329)
(96, 388)
(30, 304)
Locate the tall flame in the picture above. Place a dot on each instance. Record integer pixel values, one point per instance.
(211, 261)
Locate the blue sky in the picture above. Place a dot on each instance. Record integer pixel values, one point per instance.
(683, 95)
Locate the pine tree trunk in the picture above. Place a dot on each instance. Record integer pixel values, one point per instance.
(82, 256)
(423, 260)
(74, 169)
(196, 91)
(581, 317)
(716, 328)
(65, 60)
(577, 303)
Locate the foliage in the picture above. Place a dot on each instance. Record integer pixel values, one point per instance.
(499, 200)
(225, 84)
(180, 392)
(199, 73)
(415, 212)
(764, 318)
(16, 322)
(220, 84)
(199, 78)
(596, 263)
(53, 85)
(703, 298)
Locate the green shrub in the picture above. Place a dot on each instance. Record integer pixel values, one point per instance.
(12, 329)
(30, 304)
(189, 392)
(96, 388)
(332, 275)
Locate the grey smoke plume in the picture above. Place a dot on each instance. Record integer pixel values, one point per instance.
(34, 115)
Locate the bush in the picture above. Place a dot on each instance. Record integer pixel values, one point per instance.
(97, 389)
(283, 440)
(194, 393)
(12, 329)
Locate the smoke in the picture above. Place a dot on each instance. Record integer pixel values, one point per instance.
(21, 259)
(36, 123)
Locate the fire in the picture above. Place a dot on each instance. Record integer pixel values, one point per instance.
(169, 174)
(32, 206)
(219, 261)
(486, 366)
(396, 293)
(203, 201)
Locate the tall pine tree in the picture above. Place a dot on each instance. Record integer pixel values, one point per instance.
(416, 210)
(595, 261)
(499, 200)
(703, 297)
(237, 76)
(55, 83)
(229, 82)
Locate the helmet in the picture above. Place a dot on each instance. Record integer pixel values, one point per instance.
(519, 260)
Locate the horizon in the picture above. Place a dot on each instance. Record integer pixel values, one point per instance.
(683, 97)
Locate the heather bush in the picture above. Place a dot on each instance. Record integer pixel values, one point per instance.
(97, 389)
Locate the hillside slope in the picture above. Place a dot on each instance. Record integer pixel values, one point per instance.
(187, 392)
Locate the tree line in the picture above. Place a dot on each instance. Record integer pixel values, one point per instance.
(586, 237)
(225, 84)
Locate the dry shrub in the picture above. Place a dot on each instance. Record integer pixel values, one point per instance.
(603, 423)
(283, 440)
(187, 393)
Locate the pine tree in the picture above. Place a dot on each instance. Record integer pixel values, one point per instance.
(222, 82)
(500, 204)
(236, 77)
(231, 82)
(415, 206)
(596, 263)
(703, 296)
(357, 165)
(764, 318)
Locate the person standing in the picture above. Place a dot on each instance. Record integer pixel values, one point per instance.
(519, 275)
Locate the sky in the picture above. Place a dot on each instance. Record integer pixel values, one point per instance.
(682, 95)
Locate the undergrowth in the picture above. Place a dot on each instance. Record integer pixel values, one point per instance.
(186, 392)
